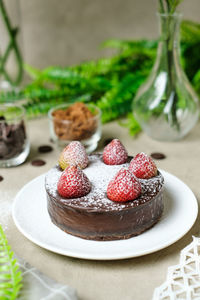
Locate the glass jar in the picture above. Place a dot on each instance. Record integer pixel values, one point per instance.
(69, 122)
(14, 143)
(166, 105)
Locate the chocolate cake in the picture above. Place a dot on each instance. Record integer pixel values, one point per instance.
(94, 216)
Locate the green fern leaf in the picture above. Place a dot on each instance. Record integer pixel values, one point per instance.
(10, 275)
(132, 124)
(33, 72)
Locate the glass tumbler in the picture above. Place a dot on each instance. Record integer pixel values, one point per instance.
(14, 143)
(87, 130)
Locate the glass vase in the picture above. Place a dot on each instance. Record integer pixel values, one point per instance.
(11, 64)
(166, 105)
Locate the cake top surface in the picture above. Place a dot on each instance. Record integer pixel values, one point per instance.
(100, 175)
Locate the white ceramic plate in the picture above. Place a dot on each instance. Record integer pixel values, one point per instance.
(31, 218)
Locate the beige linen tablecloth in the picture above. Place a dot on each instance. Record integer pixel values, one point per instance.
(127, 279)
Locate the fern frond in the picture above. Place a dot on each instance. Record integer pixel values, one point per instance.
(10, 275)
(11, 96)
(173, 4)
(40, 108)
(190, 32)
(117, 101)
(33, 72)
(169, 6)
(132, 124)
(196, 81)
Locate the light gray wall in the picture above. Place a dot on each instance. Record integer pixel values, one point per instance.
(61, 32)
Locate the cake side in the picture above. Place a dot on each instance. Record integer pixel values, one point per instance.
(107, 225)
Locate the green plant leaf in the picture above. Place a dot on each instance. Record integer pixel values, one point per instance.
(132, 124)
(173, 4)
(33, 72)
(169, 6)
(10, 275)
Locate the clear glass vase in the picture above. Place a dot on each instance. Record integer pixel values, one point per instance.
(11, 64)
(166, 105)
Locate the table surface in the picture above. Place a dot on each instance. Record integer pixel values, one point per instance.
(102, 280)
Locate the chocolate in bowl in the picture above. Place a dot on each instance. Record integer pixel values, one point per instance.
(12, 138)
(94, 216)
(75, 122)
(14, 142)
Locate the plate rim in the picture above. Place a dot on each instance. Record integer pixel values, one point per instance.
(97, 256)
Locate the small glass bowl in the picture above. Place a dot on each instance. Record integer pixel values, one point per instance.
(14, 143)
(87, 131)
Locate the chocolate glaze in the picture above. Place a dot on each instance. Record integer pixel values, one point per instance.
(95, 216)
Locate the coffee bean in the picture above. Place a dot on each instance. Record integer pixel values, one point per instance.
(1, 178)
(45, 149)
(158, 155)
(38, 162)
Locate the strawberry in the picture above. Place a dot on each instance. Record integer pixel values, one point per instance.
(73, 183)
(143, 166)
(123, 187)
(73, 154)
(115, 153)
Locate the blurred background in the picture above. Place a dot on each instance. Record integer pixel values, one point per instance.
(67, 32)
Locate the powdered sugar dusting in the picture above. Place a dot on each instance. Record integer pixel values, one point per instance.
(125, 186)
(73, 183)
(100, 175)
(74, 154)
(115, 153)
(143, 166)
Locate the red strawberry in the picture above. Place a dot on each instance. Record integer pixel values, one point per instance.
(73, 155)
(115, 153)
(73, 183)
(143, 166)
(123, 187)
